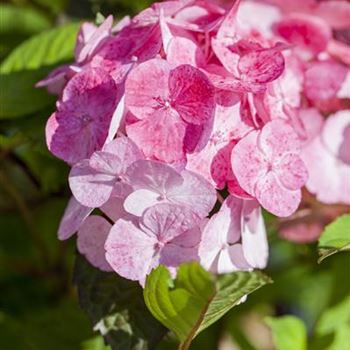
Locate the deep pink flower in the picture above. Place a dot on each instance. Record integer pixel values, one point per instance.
(166, 100)
(80, 125)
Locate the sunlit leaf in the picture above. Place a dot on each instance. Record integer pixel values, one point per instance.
(196, 299)
(335, 238)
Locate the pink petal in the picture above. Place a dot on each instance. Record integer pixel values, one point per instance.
(307, 32)
(247, 162)
(275, 198)
(261, 66)
(129, 251)
(277, 138)
(195, 192)
(192, 94)
(168, 221)
(73, 217)
(56, 80)
(161, 136)
(92, 236)
(324, 79)
(89, 186)
(146, 88)
(223, 228)
(138, 201)
(152, 175)
(254, 240)
(334, 185)
(184, 51)
(80, 125)
(336, 135)
(125, 150)
(292, 172)
(92, 40)
(232, 259)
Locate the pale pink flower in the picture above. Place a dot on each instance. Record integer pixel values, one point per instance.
(93, 181)
(268, 166)
(155, 182)
(234, 238)
(167, 234)
(327, 157)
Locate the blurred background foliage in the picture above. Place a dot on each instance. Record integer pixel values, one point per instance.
(38, 303)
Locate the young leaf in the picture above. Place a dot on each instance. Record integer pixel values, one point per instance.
(46, 49)
(27, 64)
(196, 299)
(335, 238)
(116, 307)
(288, 332)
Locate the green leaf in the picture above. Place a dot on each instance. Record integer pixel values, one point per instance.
(341, 339)
(55, 6)
(27, 64)
(335, 238)
(96, 343)
(196, 299)
(288, 333)
(117, 309)
(21, 20)
(49, 48)
(335, 317)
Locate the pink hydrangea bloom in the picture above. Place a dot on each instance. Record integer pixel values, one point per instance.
(164, 113)
(94, 180)
(234, 238)
(268, 166)
(167, 234)
(166, 101)
(328, 154)
(154, 182)
(80, 125)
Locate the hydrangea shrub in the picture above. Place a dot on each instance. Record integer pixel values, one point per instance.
(184, 123)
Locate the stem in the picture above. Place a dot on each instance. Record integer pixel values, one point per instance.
(24, 211)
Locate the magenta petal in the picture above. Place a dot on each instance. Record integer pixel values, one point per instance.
(324, 79)
(192, 94)
(129, 250)
(73, 217)
(261, 66)
(91, 240)
(80, 125)
(146, 88)
(275, 198)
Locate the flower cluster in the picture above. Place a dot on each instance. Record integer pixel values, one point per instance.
(181, 123)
